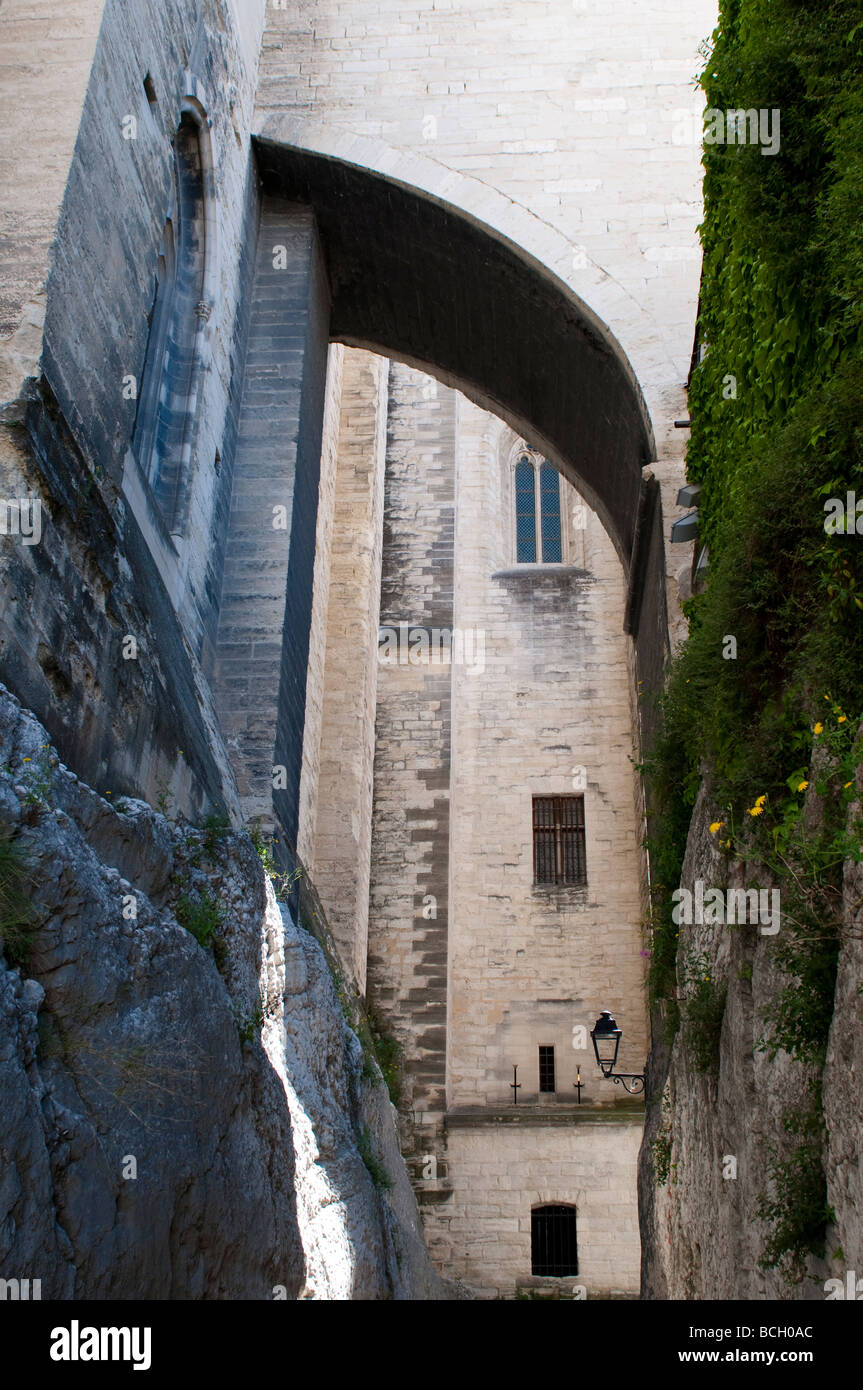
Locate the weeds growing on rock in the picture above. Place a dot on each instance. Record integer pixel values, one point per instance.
(202, 916)
(796, 1206)
(377, 1172)
(16, 912)
(703, 1012)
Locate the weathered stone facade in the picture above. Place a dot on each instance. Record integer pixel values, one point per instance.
(411, 238)
(472, 965)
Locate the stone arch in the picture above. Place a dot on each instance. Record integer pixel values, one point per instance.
(430, 267)
(376, 262)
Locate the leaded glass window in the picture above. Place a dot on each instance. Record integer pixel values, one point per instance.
(538, 537)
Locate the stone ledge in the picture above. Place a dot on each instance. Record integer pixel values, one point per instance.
(471, 1118)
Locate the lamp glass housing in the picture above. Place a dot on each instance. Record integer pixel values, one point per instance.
(606, 1042)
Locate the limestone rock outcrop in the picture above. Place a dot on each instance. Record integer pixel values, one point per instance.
(702, 1233)
(181, 1120)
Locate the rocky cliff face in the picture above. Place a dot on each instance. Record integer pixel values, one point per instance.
(713, 1140)
(181, 1120)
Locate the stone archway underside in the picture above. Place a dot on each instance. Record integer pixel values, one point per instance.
(347, 254)
(415, 279)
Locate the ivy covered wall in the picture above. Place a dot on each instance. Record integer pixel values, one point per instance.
(763, 704)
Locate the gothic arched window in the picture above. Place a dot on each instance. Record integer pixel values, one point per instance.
(538, 536)
(168, 400)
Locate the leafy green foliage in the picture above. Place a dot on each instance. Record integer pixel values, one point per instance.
(216, 828)
(796, 1208)
(661, 1152)
(200, 915)
(377, 1172)
(703, 1013)
(781, 314)
(250, 1022)
(16, 913)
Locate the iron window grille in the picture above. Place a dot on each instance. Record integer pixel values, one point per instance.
(558, 841)
(553, 1241)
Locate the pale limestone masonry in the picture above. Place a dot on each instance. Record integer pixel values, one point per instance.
(472, 966)
(501, 1168)
(578, 112)
(36, 142)
(340, 852)
(564, 129)
(408, 905)
(550, 713)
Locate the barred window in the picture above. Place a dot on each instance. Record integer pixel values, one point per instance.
(546, 1069)
(558, 840)
(553, 1241)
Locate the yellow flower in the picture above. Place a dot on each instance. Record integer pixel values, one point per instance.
(847, 785)
(717, 825)
(803, 786)
(26, 760)
(755, 810)
(842, 718)
(761, 800)
(817, 729)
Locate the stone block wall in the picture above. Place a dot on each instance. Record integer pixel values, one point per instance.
(266, 605)
(40, 126)
(408, 903)
(499, 1171)
(471, 965)
(339, 834)
(104, 572)
(312, 727)
(549, 715)
(581, 114)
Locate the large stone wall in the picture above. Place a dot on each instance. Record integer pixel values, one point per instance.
(572, 113)
(408, 905)
(340, 832)
(471, 966)
(46, 68)
(548, 714)
(267, 591)
(105, 570)
(501, 1167)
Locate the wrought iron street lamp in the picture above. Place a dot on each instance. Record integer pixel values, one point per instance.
(606, 1043)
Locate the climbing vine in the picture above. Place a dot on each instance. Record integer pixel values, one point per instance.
(770, 719)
